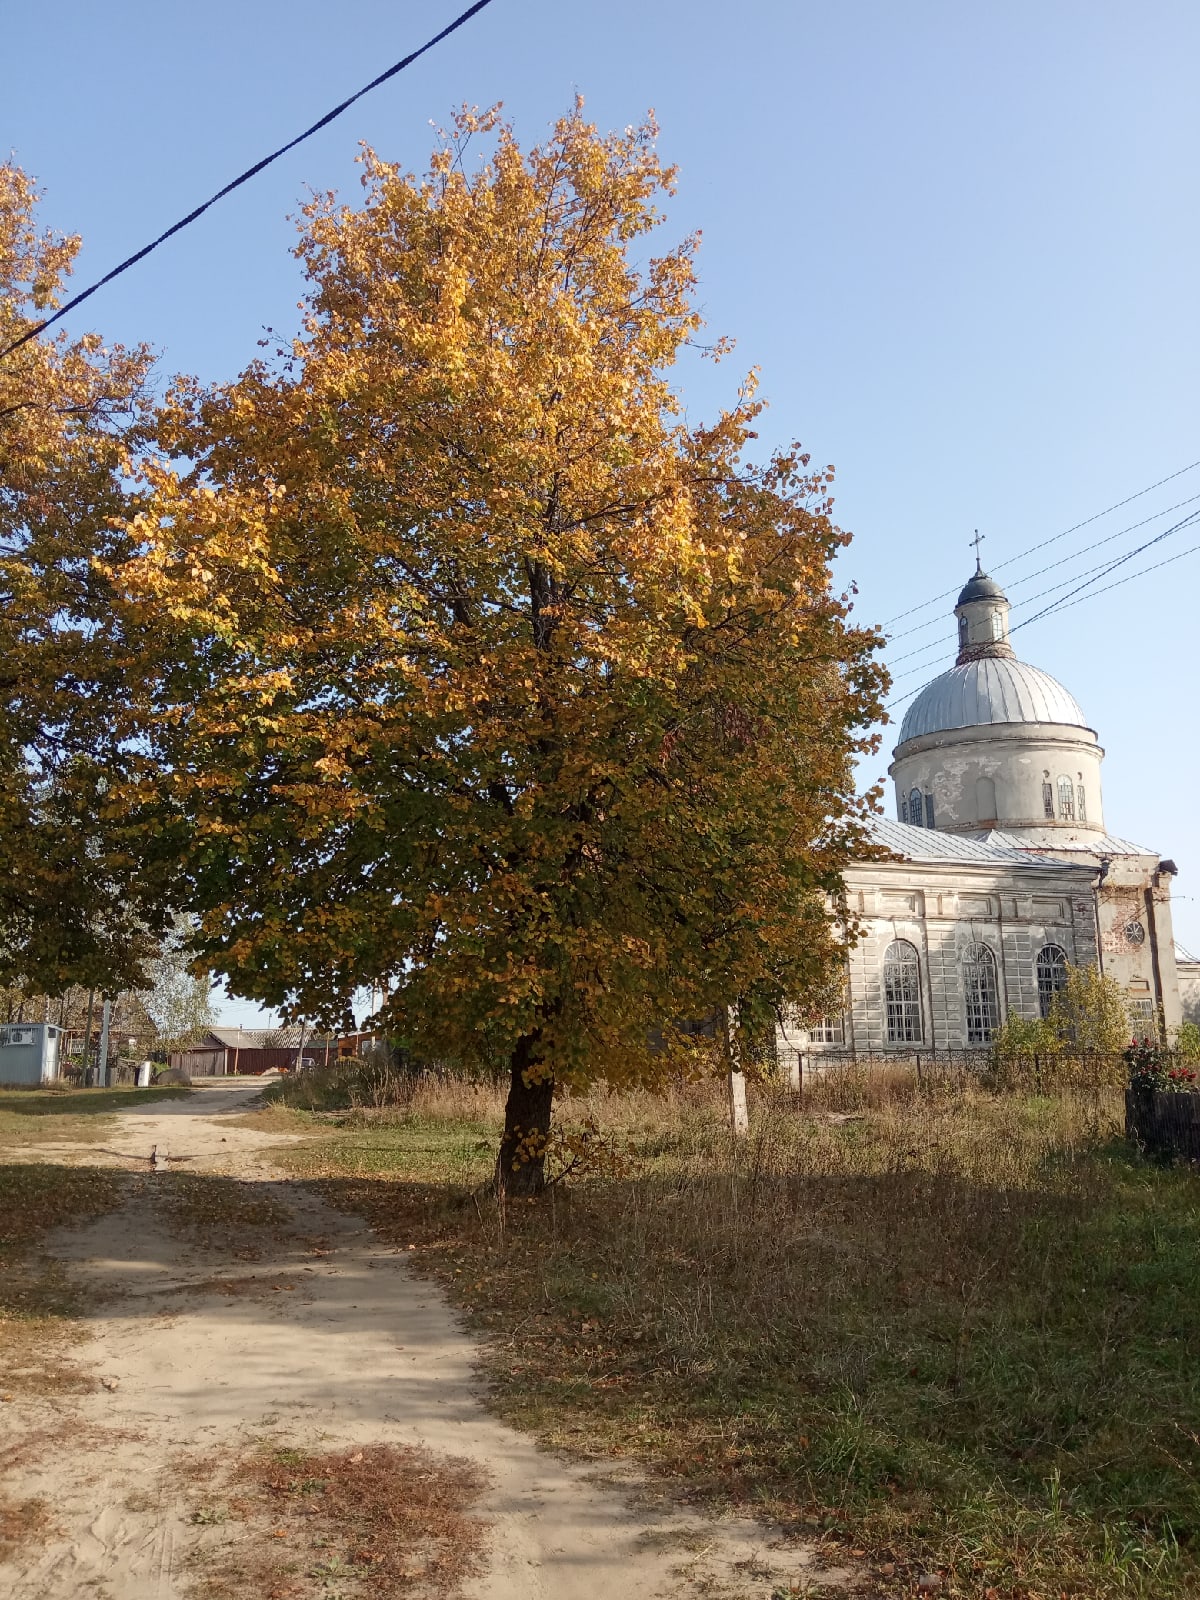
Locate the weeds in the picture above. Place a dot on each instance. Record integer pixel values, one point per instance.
(369, 1521)
(955, 1324)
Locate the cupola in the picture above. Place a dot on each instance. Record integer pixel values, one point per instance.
(982, 613)
(994, 743)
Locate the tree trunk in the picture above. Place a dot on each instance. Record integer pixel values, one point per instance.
(739, 1116)
(521, 1164)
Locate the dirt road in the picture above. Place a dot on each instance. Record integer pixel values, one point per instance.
(308, 1332)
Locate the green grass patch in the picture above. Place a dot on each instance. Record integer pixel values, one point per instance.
(961, 1328)
(47, 1116)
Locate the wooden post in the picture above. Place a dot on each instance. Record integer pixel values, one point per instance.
(739, 1116)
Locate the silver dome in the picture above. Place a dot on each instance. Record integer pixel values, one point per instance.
(991, 689)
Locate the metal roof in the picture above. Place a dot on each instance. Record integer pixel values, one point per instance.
(980, 587)
(1103, 844)
(927, 844)
(989, 690)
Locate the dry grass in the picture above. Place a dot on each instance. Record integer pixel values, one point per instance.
(954, 1325)
(374, 1520)
(63, 1115)
(22, 1522)
(36, 1303)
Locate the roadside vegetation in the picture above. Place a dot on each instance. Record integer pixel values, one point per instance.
(36, 1196)
(951, 1326)
(372, 1520)
(66, 1115)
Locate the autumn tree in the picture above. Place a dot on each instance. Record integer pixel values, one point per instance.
(489, 675)
(77, 897)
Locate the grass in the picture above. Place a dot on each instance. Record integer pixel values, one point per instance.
(369, 1521)
(956, 1328)
(36, 1304)
(44, 1116)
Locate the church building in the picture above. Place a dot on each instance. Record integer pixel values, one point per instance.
(999, 870)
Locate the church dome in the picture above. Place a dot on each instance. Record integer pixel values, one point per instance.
(980, 587)
(989, 690)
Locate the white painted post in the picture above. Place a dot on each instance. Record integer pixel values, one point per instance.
(105, 1023)
(739, 1116)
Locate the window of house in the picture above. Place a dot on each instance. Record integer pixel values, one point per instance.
(1081, 802)
(914, 809)
(997, 625)
(1066, 799)
(829, 1030)
(903, 803)
(1048, 799)
(1051, 975)
(981, 994)
(929, 811)
(962, 630)
(902, 993)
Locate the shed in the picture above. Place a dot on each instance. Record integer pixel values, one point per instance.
(29, 1053)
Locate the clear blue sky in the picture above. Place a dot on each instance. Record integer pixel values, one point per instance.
(960, 241)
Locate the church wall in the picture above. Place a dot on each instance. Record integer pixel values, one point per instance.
(942, 908)
(1189, 990)
(1137, 942)
(985, 777)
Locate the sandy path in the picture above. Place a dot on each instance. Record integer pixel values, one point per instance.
(330, 1341)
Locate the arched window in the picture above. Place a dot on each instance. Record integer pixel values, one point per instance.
(962, 630)
(981, 994)
(902, 993)
(902, 807)
(997, 625)
(985, 799)
(914, 808)
(1066, 799)
(1051, 975)
(929, 811)
(1081, 802)
(1048, 798)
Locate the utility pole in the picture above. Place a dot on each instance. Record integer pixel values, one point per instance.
(105, 1024)
(85, 1059)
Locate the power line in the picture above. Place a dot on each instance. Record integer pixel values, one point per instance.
(244, 177)
(1111, 567)
(1061, 562)
(1088, 573)
(1042, 543)
(1067, 602)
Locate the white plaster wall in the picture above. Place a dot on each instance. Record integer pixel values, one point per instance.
(963, 768)
(942, 908)
(1189, 990)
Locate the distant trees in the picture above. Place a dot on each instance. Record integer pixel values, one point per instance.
(487, 673)
(179, 1001)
